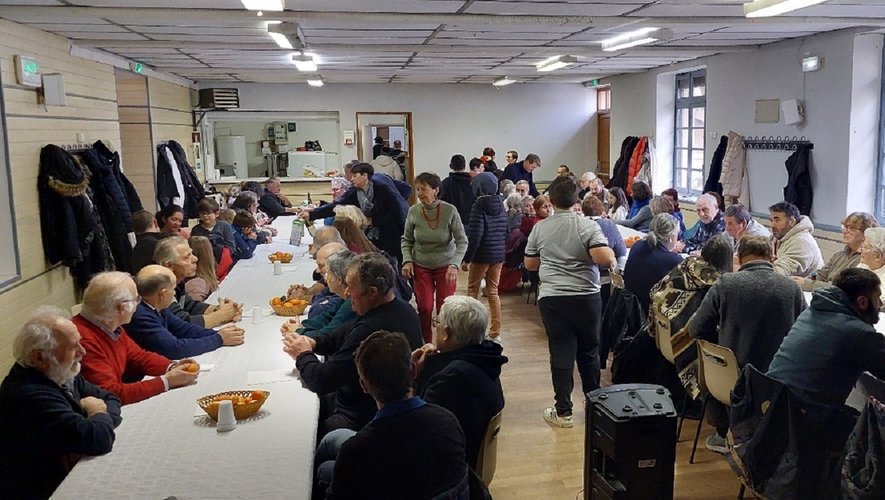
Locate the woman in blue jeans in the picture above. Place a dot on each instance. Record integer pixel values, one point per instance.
(566, 249)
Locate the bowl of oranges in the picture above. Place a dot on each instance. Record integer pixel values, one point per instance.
(245, 403)
(284, 306)
(283, 257)
(631, 240)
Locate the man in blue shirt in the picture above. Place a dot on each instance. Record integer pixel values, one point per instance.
(522, 171)
(156, 329)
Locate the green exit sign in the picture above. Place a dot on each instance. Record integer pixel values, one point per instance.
(594, 83)
(27, 71)
(136, 67)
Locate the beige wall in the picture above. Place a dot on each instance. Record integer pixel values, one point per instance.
(91, 109)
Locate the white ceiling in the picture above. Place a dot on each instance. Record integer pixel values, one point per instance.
(422, 41)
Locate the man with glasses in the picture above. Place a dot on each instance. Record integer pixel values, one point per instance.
(155, 328)
(112, 360)
(370, 285)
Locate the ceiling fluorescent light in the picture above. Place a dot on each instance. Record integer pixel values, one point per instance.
(276, 5)
(768, 8)
(304, 62)
(315, 81)
(500, 82)
(634, 38)
(284, 34)
(555, 62)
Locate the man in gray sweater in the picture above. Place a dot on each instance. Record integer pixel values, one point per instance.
(750, 312)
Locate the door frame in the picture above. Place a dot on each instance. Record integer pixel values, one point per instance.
(410, 171)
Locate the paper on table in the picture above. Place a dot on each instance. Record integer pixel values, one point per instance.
(270, 376)
(207, 367)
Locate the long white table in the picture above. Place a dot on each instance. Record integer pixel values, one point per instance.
(163, 449)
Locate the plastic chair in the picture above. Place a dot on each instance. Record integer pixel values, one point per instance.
(487, 458)
(718, 372)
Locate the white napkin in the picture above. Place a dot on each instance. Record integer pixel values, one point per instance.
(259, 377)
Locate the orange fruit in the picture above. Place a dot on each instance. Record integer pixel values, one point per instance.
(191, 368)
(277, 301)
(257, 395)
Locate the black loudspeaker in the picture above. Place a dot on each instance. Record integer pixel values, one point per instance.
(630, 443)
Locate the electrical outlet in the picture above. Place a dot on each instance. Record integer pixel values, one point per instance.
(81, 137)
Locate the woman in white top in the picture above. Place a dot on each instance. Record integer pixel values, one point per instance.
(872, 252)
(617, 203)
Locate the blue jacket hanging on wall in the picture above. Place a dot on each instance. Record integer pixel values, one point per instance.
(177, 183)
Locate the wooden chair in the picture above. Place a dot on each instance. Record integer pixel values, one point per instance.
(488, 454)
(718, 372)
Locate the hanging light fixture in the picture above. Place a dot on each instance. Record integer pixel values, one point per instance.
(769, 8)
(259, 5)
(639, 37)
(285, 34)
(305, 61)
(500, 82)
(555, 62)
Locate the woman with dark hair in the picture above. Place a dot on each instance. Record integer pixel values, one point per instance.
(488, 161)
(679, 295)
(673, 195)
(640, 213)
(169, 220)
(617, 204)
(663, 205)
(433, 246)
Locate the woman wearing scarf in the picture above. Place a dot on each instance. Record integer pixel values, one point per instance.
(433, 246)
(381, 204)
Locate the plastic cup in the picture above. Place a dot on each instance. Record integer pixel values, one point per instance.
(277, 267)
(226, 419)
(257, 315)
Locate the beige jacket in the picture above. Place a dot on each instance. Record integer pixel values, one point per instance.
(734, 178)
(797, 253)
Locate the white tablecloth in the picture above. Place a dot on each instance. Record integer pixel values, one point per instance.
(162, 449)
(629, 231)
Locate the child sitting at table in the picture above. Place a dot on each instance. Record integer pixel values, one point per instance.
(217, 231)
(244, 235)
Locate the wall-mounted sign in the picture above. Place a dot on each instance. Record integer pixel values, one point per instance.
(348, 137)
(27, 71)
(136, 67)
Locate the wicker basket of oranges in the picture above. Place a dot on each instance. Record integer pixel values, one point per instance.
(283, 257)
(283, 306)
(245, 403)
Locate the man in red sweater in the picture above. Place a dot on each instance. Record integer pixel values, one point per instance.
(112, 360)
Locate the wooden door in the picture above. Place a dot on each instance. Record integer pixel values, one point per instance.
(603, 144)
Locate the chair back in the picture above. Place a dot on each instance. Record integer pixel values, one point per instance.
(663, 333)
(718, 370)
(76, 308)
(487, 458)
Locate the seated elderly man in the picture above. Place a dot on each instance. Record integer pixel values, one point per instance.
(796, 250)
(710, 224)
(324, 300)
(112, 360)
(412, 449)
(273, 202)
(323, 236)
(461, 370)
(156, 329)
(370, 282)
(174, 253)
(50, 415)
(739, 223)
(335, 316)
(853, 235)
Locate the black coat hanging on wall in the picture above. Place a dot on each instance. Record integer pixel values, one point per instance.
(798, 190)
(69, 220)
(167, 185)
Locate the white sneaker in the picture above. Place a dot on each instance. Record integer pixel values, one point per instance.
(716, 443)
(553, 418)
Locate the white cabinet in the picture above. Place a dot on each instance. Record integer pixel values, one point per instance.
(230, 151)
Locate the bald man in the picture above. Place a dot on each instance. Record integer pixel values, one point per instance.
(323, 236)
(109, 302)
(155, 328)
(321, 298)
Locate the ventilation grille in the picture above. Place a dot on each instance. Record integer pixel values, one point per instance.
(219, 99)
